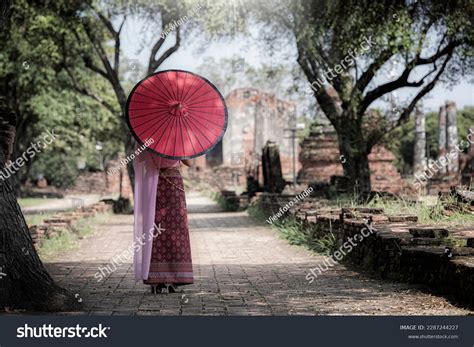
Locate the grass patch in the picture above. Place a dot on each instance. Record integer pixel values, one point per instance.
(257, 214)
(291, 229)
(451, 242)
(63, 242)
(431, 210)
(68, 239)
(37, 219)
(428, 213)
(217, 197)
(28, 202)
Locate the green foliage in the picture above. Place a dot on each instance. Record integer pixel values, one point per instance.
(59, 170)
(417, 35)
(326, 245)
(80, 124)
(28, 202)
(256, 213)
(40, 59)
(35, 219)
(291, 229)
(427, 211)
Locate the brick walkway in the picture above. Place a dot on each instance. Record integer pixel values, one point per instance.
(241, 268)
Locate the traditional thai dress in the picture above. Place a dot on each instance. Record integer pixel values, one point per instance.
(162, 245)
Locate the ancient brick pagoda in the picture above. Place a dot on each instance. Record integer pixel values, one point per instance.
(256, 117)
(320, 159)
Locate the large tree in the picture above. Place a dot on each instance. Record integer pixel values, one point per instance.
(430, 40)
(98, 46)
(24, 282)
(31, 79)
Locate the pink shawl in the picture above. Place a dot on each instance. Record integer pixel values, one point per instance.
(147, 173)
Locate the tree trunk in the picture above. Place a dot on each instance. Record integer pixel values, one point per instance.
(24, 282)
(129, 144)
(355, 159)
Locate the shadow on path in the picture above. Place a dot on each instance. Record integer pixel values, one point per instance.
(240, 267)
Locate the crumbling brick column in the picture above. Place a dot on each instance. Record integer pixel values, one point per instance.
(442, 136)
(419, 157)
(452, 136)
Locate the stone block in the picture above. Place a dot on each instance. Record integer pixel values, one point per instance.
(403, 218)
(379, 218)
(463, 251)
(431, 232)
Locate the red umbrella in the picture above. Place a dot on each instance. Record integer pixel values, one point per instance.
(182, 112)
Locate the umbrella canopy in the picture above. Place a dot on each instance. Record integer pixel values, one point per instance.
(183, 113)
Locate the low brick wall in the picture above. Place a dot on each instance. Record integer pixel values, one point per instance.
(55, 225)
(398, 248)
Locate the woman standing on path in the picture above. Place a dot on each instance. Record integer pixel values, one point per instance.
(184, 116)
(163, 250)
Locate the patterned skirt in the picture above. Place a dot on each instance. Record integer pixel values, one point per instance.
(171, 252)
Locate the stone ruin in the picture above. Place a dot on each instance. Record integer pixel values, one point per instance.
(320, 160)
(398, 247)
(255, 117)
(102, 183)
(459, 169)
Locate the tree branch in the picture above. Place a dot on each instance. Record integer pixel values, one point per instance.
(154, 64)
(117, 46)
(115, 35)
(112, 74)
(90, 65)
(156, 47)
(152, 61)
(84, 91)
(376, 136)
(326, 102)
(402, 81)
(425, 90)
(369, 74)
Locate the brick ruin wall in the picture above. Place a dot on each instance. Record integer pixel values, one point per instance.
(320, 159)
(398, 249)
